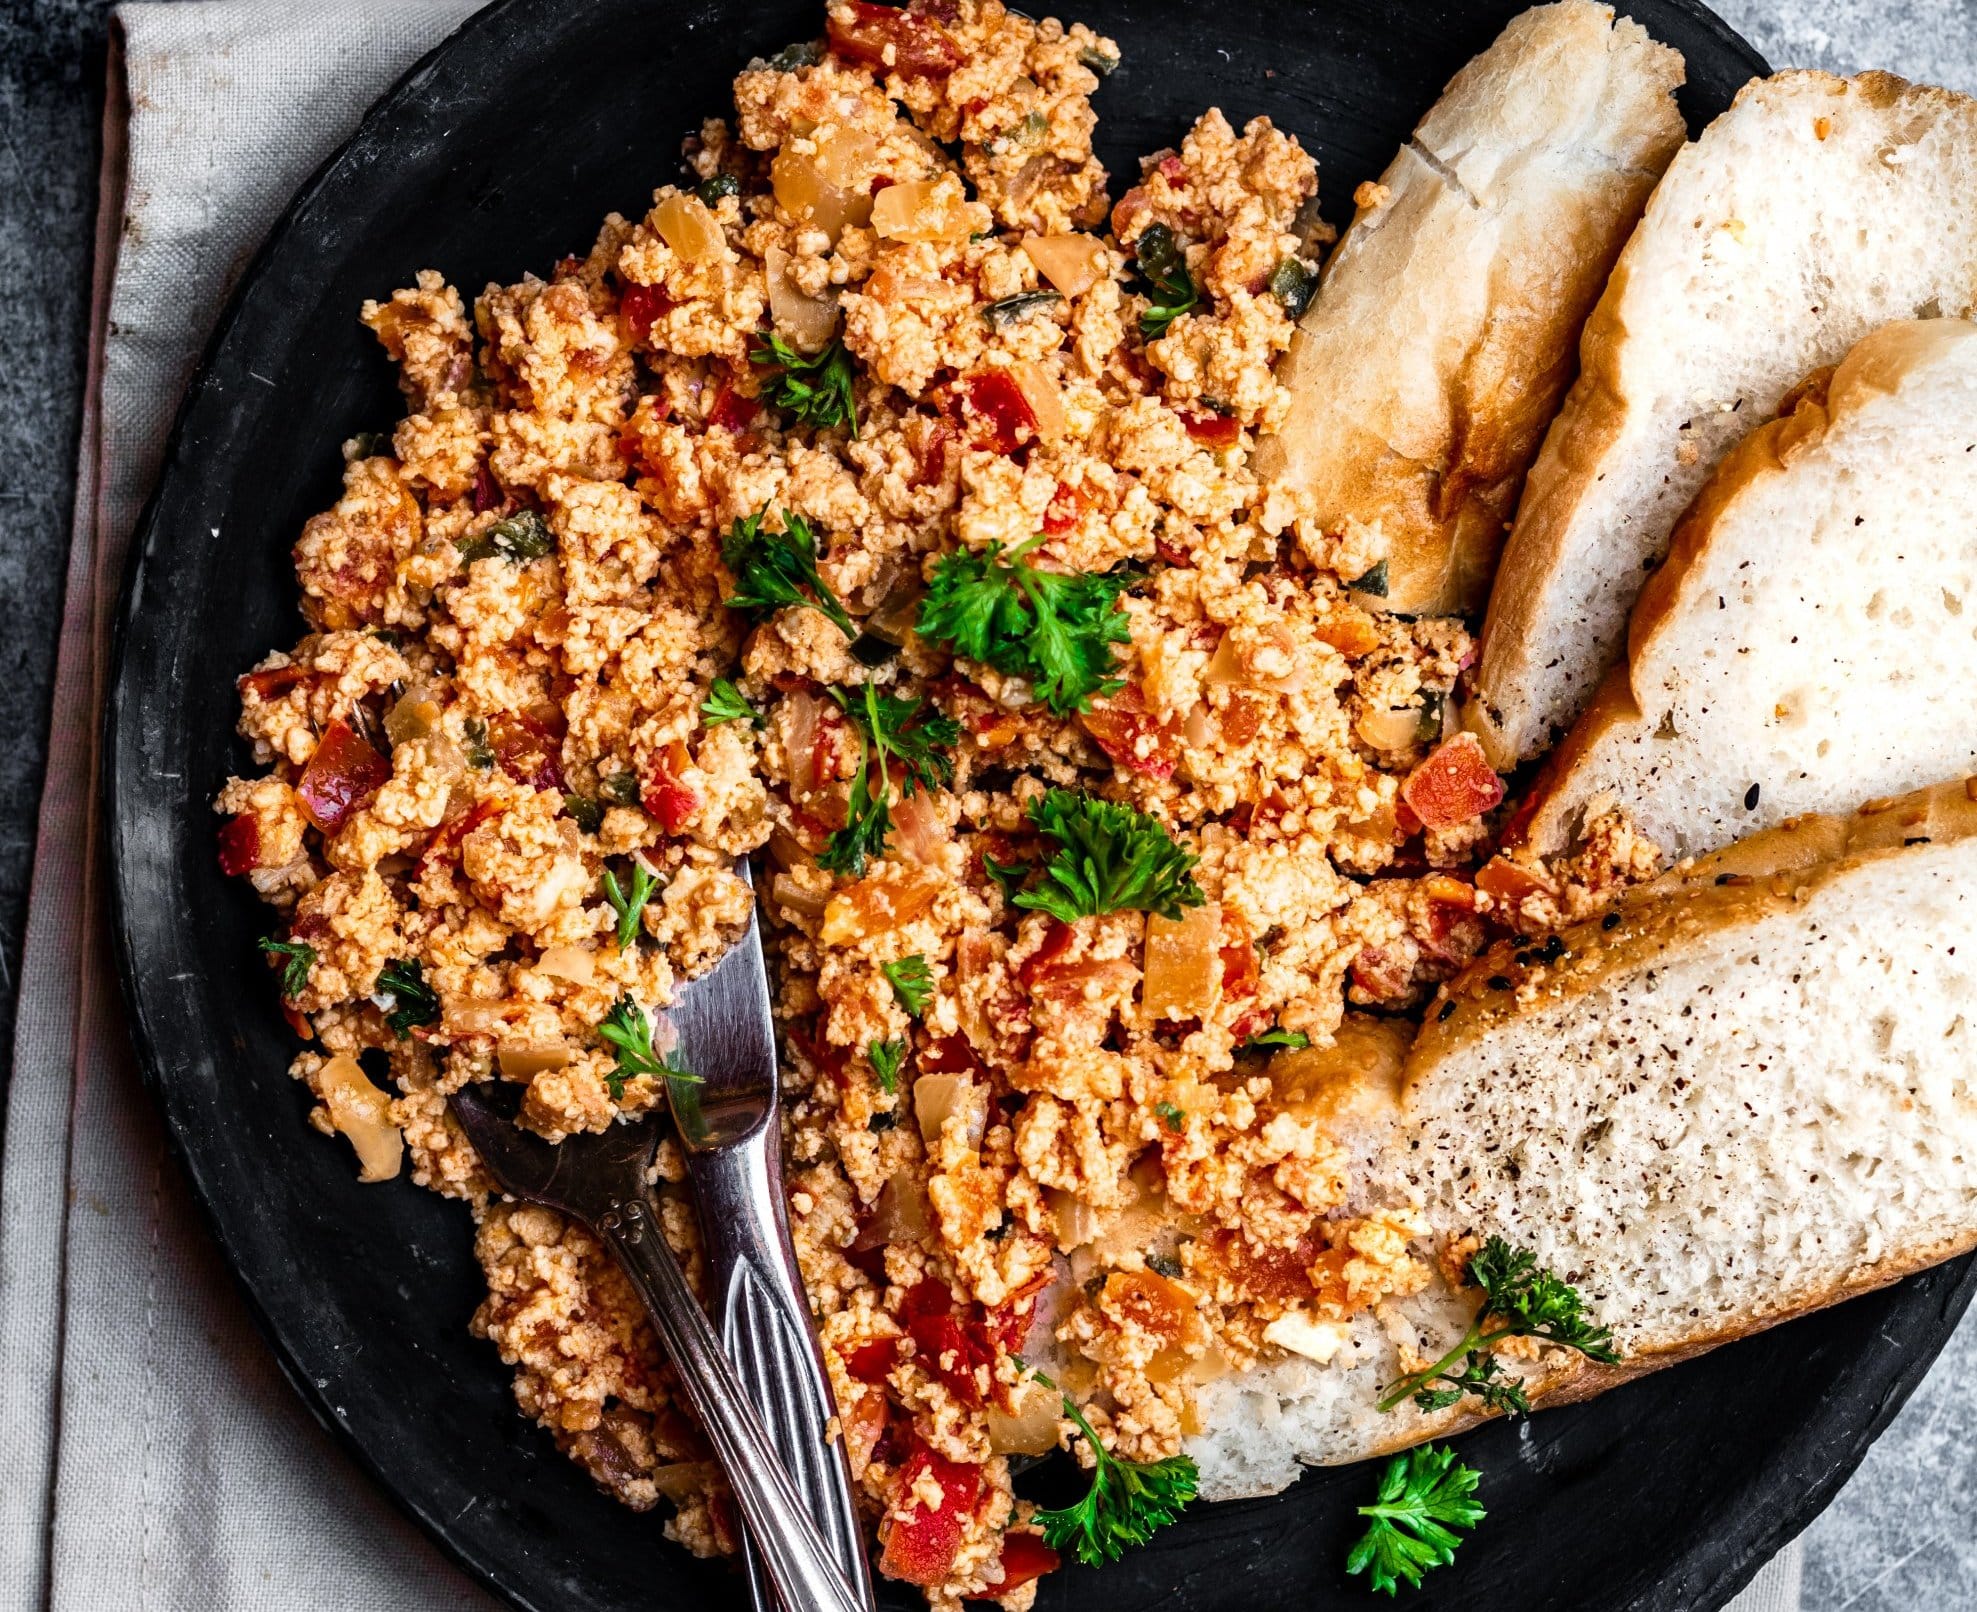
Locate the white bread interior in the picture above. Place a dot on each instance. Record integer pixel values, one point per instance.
(1441, 338)
(1813, 211)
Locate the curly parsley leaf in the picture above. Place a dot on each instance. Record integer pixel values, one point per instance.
(413, 1001)
(629, 905)
(887, 1059)
(1272, 1038)
(910, 982)
(726, 703)
(1127, 1500)
(300, 957)
(771, 570)
(1109, 858)
(1009, 876)
(519, 538)
(1165, 282)
(891, 729)
(1424, 1497)
(628, 1032)
(1520, 1300)
(1172, 1116)
(816, 388)
(1054, 629)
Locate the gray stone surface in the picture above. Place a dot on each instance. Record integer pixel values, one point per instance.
(1899, 1538)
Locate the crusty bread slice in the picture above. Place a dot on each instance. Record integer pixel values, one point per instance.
(1442, 335)
(1752, 1096)
(1813, 211)
(1811, 639)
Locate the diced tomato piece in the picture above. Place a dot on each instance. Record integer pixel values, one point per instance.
(1454, 785)
(872, 1261)
(872, 1360)
(1128, 211)
(1379, 974)
(451, 834)
(948, 1351)
(1239, 718)
(1212, 430)
(906, 41)
(1024, 1557)
(930, 458)
(1122, 726)
(1240, 976)
(273, 681)
(1275, 1273)
(1056, 942)
(528, 747)
(1173, 169)
(487, 491)
(920, 1545)
(298, 1021)
(1067, 506)
(341, 777)
(1512, 882)
(643, 307)
(999, 405)
(1009, 1322)
(731, 410)
(240, 844)
(664, 795)
(950, 1055)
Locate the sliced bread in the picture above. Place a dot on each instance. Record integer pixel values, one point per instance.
(1748, 1098)
(1441, 338)
(1811, 640)
(1813, 211)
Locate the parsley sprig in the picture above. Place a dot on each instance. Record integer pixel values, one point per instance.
(910, 982)
(1423, 1498)
(771, 570)
(413, 1001)
(299, 957)
(1520, 1300)
(1055, 629)
(727, 703)
(518, 539)
(1109, 858)
(629, 905)
(816, 389)
(1168, 287)
(1126, 1502)
(628, 1032)
(891, 728)
(888, 1057)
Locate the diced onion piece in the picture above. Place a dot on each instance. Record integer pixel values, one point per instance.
(1075, 1220)
(847, 158)
(901, 1214)
(573, 963)
(1045, 401)
(1199, 729)
(1031, 1428)
(930, 210)
(525, 1063)
(1224, 666)
(363, 1114)
(682, 1480)
(806, 195)
(1266, 659)
(919, 834)
(412, 718)
(797, 898)
(689, 228)
(1303, 1334)
(1071, 263)
(1387, 729)
(807, 322)
(788, 851)
(801, 714)
(1183, 964)
(937, 1097)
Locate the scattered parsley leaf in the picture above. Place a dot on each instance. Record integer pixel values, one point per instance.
(621, 788)
(1127, 1500)
(726, 703)
(519, 538)
(891, 728)
(887, 1059)
(816, 389)
(1109, 858)
(480, 754)
(1294, 1040)
(586, 813)
(910, 982)
(413, 1001)
(1424, 1497)
(1519, 1301)
(1014, 310)
(1099, 61)
(628, 1032)
(711, 191)
(1010, 877)
(1293, 282)
(771, 570)
(1171, 1116)
(1166, 283)
(628, 905)
(300, 958)
(1055, 629)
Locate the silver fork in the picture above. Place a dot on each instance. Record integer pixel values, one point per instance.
(727, 1122)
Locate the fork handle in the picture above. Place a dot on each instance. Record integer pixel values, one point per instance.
(778, 1517)
(764, 1321)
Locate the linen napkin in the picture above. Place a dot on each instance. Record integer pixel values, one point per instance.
(151, 1457)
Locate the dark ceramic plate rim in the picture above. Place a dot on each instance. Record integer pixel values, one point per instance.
(1751, 1527)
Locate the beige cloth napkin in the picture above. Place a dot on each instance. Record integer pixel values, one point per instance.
(151, 1458)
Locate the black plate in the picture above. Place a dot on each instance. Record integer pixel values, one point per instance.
(499, 153)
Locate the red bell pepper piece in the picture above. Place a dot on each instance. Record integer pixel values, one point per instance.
(240, 844)
(905, 41)
(1025, 1557)
(342, 776)
(921, 1544)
